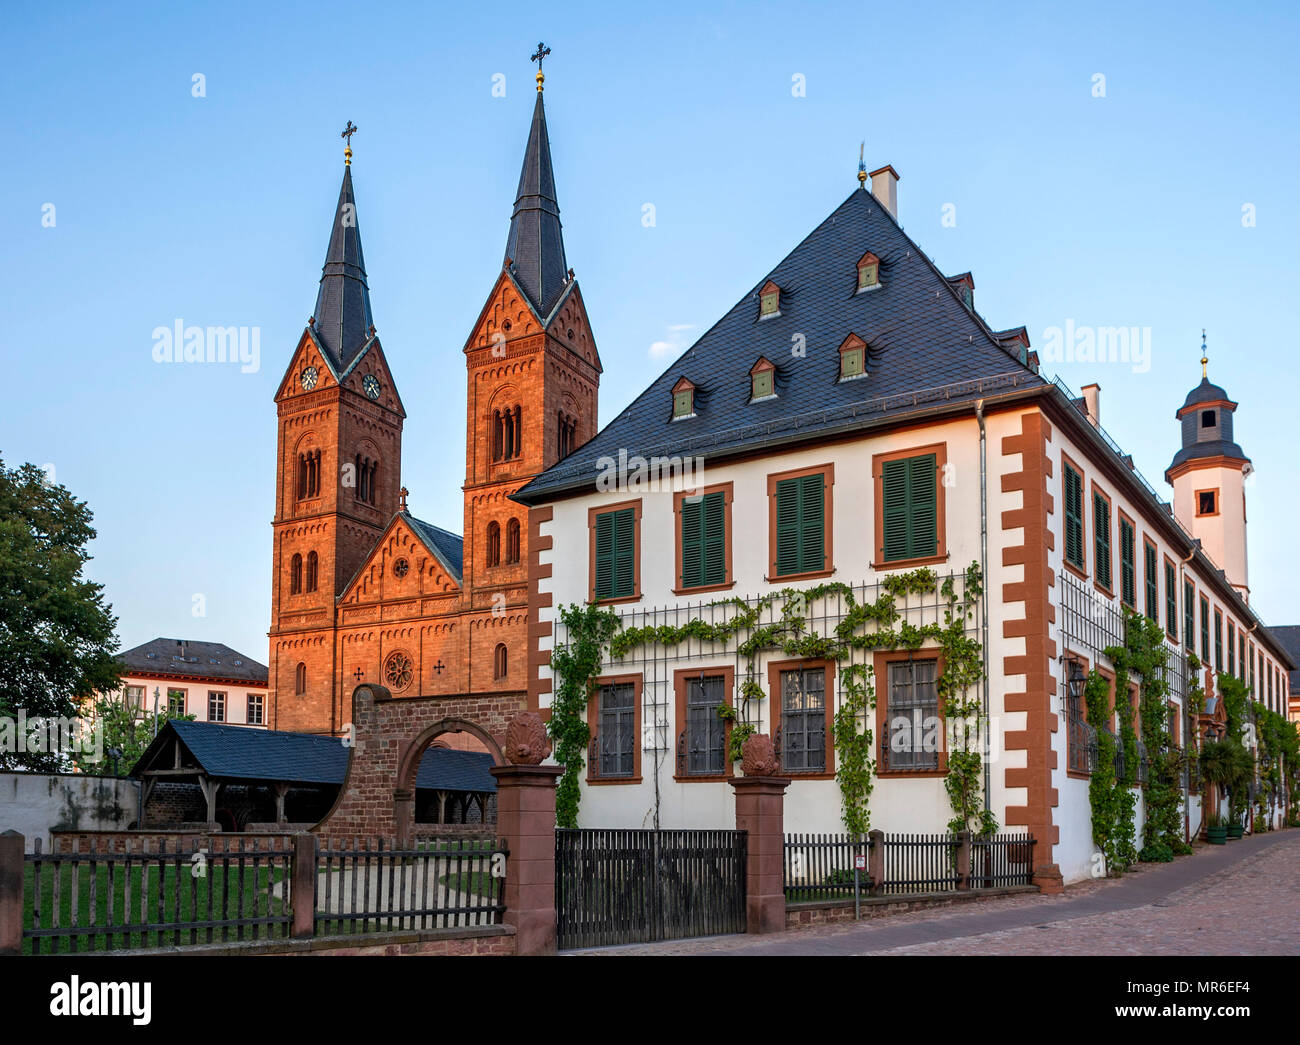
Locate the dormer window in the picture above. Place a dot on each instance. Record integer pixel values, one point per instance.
(762, 381)
(683, 399)
(769, 301)
(868, 272)
(853, 358)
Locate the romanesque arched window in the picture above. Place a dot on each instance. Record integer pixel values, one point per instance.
(302, 476)
(366, 476)
(499, 661)
(494, 544)
(512, 541)
(519, 432)
(295, 575)
(311, 571)
(300, 678)
(507, 433)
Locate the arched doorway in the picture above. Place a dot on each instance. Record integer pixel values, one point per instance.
(408, 767)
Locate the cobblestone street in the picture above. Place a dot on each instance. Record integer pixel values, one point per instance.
(1242, 898)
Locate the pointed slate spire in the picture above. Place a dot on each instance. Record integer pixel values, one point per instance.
(343, 318)
(535, 246)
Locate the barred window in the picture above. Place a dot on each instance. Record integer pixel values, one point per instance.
(706, 734)
(1080, 734)
(617, 730)
(803, 719)
(912, 735)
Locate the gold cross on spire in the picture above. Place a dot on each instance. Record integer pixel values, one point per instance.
(347, 134)
(542, 52)
(1205, 356)
(862, 164)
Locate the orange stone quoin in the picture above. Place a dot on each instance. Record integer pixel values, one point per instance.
(1040, 649)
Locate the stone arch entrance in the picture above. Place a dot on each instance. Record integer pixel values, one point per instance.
(389, 737)
(408, 767)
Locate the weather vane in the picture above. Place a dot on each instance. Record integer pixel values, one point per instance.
(347, 134)
(1205, 355)
(542, 52)
(862, 164)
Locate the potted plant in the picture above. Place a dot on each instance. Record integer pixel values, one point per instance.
(1216, 831)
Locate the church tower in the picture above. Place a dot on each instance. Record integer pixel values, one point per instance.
(532, 375)
(1209, 476)
(338, 473)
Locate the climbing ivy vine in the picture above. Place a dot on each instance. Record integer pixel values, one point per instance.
(575, 664)
(865, 626)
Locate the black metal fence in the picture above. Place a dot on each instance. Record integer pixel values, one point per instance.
(366, 885)
(209, 892)
(633, 886)
(821, 867)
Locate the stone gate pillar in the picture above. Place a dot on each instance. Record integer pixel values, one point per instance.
(760, 812)
(526, 820)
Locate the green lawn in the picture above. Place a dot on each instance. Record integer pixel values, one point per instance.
(222, 893)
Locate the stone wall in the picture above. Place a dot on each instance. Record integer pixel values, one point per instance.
(34, 804)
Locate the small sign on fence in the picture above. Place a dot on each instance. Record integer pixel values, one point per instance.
(859, 862)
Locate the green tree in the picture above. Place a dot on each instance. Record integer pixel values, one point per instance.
(126, 736)
(57, 634)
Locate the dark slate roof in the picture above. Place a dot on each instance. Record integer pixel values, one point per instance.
(1289, 636)
(924, 347)
(244, 753)
(190, 658)
(343, 318)
(1209, 448)
(535, 245)
(1205, 392)
(448, 546)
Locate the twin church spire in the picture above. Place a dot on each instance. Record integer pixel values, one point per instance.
(343, 322)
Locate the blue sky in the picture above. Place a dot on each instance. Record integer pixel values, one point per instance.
(1122, 210)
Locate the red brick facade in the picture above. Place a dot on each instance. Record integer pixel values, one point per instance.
(365, 614)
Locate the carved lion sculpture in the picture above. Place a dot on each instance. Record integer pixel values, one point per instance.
(526, 740)
(758, 756)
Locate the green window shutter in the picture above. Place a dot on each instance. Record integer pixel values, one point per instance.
(715, 538)
(788, 518)
(910, 508)
(1074, 517)
(704, 540)
(1101, 538)
(616, 554)
(812, 525)
(692, 543)
(923, 507)
(800, 525)
(1128, 575)
(1171, 601)
(1152, 582)
(894, 501)
(605, 555)
(1189, 616)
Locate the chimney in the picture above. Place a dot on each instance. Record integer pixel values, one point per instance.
(884, 186)
(1090, 401)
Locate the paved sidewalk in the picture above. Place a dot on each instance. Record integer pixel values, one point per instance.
(1241, 898)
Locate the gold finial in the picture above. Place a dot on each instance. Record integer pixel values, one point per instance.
(862, 165)
(542, 52)
(347, 134)
(1205, 356)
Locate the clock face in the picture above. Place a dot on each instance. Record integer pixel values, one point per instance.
(309, 376)
(371, 385)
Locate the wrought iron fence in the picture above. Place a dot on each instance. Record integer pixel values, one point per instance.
(821, 866)
(370, 885)
(202, 891)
